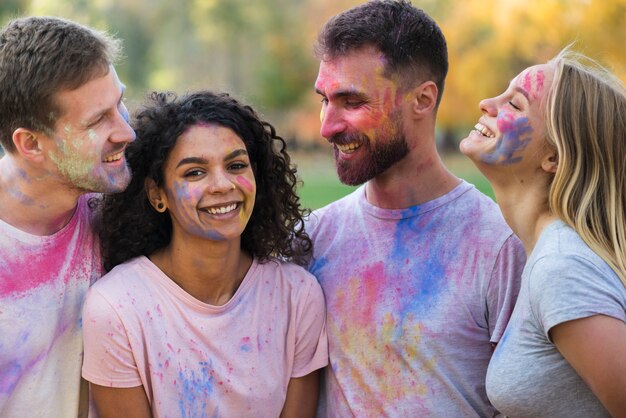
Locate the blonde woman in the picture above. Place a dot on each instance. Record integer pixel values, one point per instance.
(553, 146)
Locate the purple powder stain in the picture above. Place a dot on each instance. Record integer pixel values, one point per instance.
(516, 136)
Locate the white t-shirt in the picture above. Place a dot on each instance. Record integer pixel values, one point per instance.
(43, 281)
(415, 299)
(195, 359)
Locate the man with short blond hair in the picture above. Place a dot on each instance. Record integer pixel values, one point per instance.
(63, 128)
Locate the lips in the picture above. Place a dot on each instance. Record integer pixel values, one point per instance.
(221, 209)
(483, 130)
(114, 157)
(348, 148)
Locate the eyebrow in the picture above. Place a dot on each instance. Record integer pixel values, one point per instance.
(200, 160)
(343, 93)
(522, 91)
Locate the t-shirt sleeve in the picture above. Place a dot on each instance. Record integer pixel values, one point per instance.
(108, 357)
(311, 347)
(504, 286)
(568, 287)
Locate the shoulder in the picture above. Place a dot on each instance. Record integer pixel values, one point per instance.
(129, 275)
(561, 250)
(565, 278)
(334, 212)
(287, 271)
(290, 278)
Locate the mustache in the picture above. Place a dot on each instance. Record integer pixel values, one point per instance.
(344, 138)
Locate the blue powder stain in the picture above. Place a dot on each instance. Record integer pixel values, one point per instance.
(246, 348)
(318, 265)
(11, 374)
(512, 142)
(425, 274)
(197, 389)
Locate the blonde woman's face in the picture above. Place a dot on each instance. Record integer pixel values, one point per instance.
(511, 130)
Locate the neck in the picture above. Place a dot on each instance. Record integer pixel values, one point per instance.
(418, 178)
(32, 201)
(525, 210)
(210, 271)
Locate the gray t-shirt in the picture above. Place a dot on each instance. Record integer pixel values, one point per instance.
(562, 281)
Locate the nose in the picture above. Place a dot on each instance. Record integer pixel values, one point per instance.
(220, 182)
(332, 121)
(123, 131)
(488, 106)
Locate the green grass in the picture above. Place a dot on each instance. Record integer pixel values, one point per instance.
(321, 186)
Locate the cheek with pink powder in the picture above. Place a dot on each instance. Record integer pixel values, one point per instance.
(246, 184)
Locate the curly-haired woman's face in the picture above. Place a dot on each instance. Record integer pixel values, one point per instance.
(209, 187)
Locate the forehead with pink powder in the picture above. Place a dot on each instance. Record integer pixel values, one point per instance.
(534, 81)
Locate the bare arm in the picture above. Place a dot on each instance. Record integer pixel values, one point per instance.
(121, 402)
(596, 348)
(302, 396)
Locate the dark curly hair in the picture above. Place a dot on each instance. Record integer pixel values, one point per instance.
(130, 226)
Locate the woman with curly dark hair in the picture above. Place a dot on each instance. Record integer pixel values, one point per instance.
(203, 312)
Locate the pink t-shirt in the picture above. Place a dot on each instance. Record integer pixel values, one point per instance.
(43, 281)
(195, 359)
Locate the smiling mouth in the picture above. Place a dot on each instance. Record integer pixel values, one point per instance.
(220, 210)
(348, 148)
(483, 130)
(114, 157)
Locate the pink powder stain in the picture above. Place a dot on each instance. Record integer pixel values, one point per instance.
(527, 84)
(505, 122)
(540, 80)
(245, 183)
(533, 83)
(356, 299)
(27, 270)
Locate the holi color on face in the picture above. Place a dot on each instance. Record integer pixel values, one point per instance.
(91, 135)
(208, 178)
(532, 82)
(516, 134)
(515, 116)
(361, 115)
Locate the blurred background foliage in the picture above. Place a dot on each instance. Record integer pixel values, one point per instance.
(261, 51)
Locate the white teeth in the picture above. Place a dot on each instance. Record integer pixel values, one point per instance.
(348, 147)
(114, 157)
(221, 210)
(483, 130)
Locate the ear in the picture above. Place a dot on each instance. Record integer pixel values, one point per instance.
(155, 195)
(424, 99)
(550, 162)
(29, 144)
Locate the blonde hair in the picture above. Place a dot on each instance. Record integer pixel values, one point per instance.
(586, 123)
